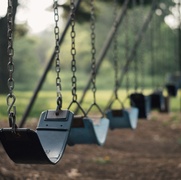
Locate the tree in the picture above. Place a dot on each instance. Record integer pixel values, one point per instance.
(3, 50)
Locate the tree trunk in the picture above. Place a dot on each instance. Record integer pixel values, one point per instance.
(3, 51)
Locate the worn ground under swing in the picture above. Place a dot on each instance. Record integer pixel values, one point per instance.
(151, 152)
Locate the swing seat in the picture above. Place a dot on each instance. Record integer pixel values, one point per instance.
(172, 89)
(142, 103)
(166, 106)
(157, 100)
(85, 131)
(123, 118)
(46, 145)
(174, 79)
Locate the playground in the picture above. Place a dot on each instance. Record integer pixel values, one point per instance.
(90, 137)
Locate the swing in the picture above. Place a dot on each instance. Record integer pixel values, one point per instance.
(171, 89)
(120, 118)
(138, 99)
(142, 102)
(157, 100)
(173, 80)
(156, 97)
(173, 84)
(84, 129)
(46, 145)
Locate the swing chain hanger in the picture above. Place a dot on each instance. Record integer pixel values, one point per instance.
(57, 59)
(10, 97)
(73, 52)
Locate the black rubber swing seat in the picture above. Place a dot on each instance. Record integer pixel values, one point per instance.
(172, 89)
(123, 118)
(85, 131)
(142, 102)
(46, 145)
(157, 100)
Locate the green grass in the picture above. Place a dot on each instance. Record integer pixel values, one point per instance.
(47, 100)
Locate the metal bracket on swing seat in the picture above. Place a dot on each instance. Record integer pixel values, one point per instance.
(123, 118)
(141, 102)
(157, 100)
(46, 145)
(85, 131)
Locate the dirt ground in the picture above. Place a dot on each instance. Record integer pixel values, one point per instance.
(151, 152)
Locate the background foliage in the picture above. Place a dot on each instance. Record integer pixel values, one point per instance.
(156, 57)
(32, 51)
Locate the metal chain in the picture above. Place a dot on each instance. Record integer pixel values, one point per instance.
(10, 97)
(57, 59)
(136, 71)
(152, 53)
(93, 50)
(93, 59)
(10, 49)
(134, 3)
(115, 51)
(126, 51)
(73, 52)
(142, 78)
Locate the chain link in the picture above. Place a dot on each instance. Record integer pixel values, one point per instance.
(73, 51)
(57, 52)
(93, 49)
(10, 66)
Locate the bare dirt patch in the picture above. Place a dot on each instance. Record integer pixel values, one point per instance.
(151, 152)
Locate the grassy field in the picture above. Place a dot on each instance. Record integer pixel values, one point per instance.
(47, 100)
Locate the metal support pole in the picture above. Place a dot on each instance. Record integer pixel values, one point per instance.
(136, 44)
(41, 81)
(106, 46)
